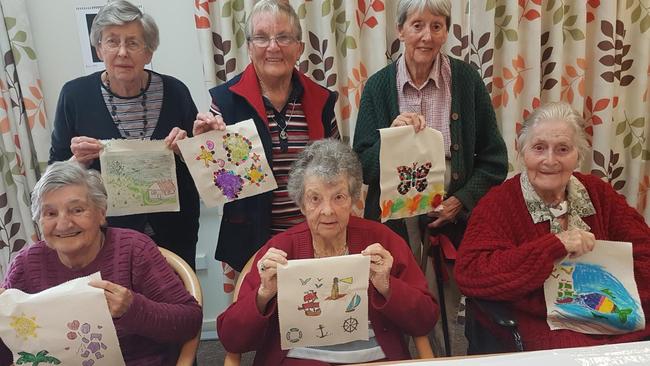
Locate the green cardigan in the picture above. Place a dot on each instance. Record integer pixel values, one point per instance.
(479, 158)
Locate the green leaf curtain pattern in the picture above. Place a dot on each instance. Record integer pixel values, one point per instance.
(593, 54)
(24, 132)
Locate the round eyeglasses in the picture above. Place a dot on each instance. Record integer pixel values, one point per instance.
(132, 45)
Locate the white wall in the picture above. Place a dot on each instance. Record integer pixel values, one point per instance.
(56, 39)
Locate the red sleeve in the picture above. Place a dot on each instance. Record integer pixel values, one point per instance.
(492, 263)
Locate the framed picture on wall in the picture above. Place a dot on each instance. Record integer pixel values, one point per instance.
(85, 16)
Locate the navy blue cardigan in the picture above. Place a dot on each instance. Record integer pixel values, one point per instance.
(246, 223)
(81, 111)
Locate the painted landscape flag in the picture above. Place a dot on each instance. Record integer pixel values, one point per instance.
(68, 325)
(412, 171)
(596, 292)
(228, 165)
(323, 301)
(139, 176)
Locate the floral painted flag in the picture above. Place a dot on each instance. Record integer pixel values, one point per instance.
(69, 324)
(412, 171)
(323, 301)
(228, 165)
(139, 176)
(595, 293)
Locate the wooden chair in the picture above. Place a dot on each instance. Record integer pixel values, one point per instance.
(422, 345)
(191, 283)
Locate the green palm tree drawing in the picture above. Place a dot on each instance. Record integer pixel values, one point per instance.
(40, 357)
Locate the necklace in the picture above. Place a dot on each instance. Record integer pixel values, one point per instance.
(341, 251)
(559, 209)
(284, 136)
(116, 119)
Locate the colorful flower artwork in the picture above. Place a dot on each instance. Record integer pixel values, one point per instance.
(228, 165)
(411, 184)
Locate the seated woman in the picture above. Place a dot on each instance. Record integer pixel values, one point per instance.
(519, 229)
(324, 182)
(152, 312)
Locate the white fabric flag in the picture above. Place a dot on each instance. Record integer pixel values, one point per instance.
(595, 293)
(323, 301)
(139, 176)
(228, 165)
(68, 324)
(412, 171)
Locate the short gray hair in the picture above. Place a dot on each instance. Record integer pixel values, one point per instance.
(68, 173)
(275, 7)
(437, 7)
(557, 111)
(328, 159)
(120, 12)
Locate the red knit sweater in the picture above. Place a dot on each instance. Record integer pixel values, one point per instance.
(162, 316)
(410, 308)
(504, 256)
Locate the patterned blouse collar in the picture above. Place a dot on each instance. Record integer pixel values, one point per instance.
(579, 205)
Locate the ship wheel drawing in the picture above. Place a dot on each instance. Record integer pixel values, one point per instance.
(350, 324)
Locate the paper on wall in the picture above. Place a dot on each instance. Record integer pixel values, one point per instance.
(139, 176)
(595, 293)
(412, 171)
(323, 301)
(228, 165)
(69, 324)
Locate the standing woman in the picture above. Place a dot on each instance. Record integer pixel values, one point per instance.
(427, 88)
(289, 111)
(125, 101)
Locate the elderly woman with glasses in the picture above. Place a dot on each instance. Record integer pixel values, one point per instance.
(427, 88)
(152, 311)
(289, 111)
(548, 212)
(126, 101)
(324, 182)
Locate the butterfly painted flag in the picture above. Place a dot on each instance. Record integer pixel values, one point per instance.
(323, 301)
(228, 165)
(69, 324)
(411, 171)
(139, 176)
(595, 293)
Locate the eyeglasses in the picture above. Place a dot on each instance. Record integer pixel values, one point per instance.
(263, 41)
(132, 45)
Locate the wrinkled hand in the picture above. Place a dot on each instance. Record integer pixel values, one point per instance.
(176, 134)
(119, 298)
(207, 122)
(267, 267)
(577, 242)
(412, 119)
(85, 149)
(446, 212)
(381, 262)
(1, 290)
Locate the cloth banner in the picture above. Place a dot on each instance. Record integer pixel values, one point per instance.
(596, 292)
(68, 324)
(323, 301)
(411, 171)
(228, 165)
(139, 176)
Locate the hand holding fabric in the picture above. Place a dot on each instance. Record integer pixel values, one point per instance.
(408, 118)
(446, 212)
(267, 268)
(175, 135)
(119, 298)
(577, 241)
(85, 149)
(207, 122)
(381, 262)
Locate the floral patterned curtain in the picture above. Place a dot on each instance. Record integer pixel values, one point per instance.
(593, 54)
(24, 133)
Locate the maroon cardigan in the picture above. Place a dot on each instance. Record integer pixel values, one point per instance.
(410, 308)
(504, 256)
